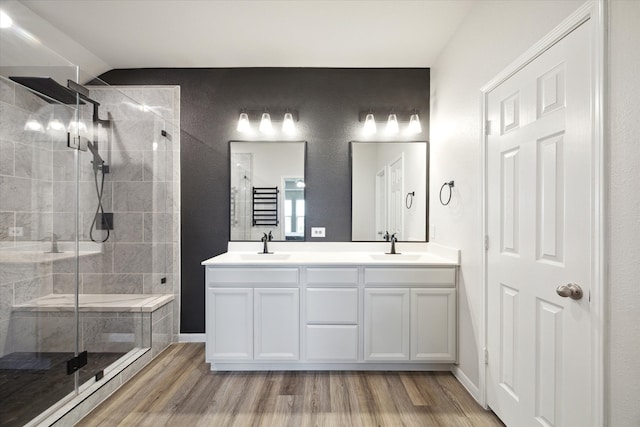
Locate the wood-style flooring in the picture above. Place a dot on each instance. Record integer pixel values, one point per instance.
(178, 389)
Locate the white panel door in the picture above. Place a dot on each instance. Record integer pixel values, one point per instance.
(276, 327)
(539, 175)
(433, 325)
(396, 197)
(229, 325)
(381, 203)
(386, 324)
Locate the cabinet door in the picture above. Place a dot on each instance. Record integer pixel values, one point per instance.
(229, 324)
(276, 324)
(433, 325)
(386, 324)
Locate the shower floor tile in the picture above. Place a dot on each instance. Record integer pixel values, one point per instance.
(32, 382)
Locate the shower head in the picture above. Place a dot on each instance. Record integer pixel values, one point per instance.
(53, 92)
(49, 89)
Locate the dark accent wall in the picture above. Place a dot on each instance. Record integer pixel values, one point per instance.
(328, 101)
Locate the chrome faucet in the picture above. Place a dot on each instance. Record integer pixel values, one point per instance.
(266, 238)
(393, 239)
(386, 236)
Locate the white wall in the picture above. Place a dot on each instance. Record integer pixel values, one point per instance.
(492, 36)
(623, 342)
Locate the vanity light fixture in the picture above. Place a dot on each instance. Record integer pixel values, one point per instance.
(414, 123)
(265, 123)
(393, 118)
(288, 126)
(243, 122)
(369, 124)
(56, 125)
(34, 125)
(77, 127)
(392, 124)
(267, 117)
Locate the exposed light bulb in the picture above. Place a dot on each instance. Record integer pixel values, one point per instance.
(369, 124)
(265, 123)
(414, 123)
(34, 125)
(56, 125)
(288, 126)
(5, 20)
(392, 124)
(243, 123)
(77, 127)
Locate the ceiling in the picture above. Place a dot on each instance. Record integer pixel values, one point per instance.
(257, 33)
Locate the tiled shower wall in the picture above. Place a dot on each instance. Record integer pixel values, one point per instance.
(142, 190)
(26, 183)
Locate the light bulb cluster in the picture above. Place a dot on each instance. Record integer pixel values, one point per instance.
(55, 125)
(266, 127)
(392, 124)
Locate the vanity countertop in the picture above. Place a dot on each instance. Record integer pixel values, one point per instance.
(322, 253)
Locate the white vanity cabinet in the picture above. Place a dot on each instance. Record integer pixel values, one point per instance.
(252, 314)
(229, 323)
(331, 314)
(330, 311)
(276, 324)
(410, 314)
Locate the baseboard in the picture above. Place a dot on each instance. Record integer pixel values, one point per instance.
(191, 337)
(466, 383)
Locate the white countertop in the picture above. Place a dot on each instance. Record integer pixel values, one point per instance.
(337, 253)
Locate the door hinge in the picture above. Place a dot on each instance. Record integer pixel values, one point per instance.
(487, 127)
(77, 142)
(76, 362)
(486, 242)
(486, 356)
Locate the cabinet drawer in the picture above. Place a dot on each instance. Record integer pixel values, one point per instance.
(332, 305)
(332, 275)
(330, 343)
(410, 276)
(262, 276)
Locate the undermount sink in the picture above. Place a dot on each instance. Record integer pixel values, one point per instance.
(264, 257)
(397, 257)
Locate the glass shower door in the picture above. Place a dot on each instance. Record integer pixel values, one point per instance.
(38, 328)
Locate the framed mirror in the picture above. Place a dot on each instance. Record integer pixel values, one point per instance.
(389, 190)
(267, 190)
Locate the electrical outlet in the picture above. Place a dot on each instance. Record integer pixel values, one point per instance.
(16, 231)
(317, 231)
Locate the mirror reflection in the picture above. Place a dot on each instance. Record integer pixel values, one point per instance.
(389, 190)
(267, 189)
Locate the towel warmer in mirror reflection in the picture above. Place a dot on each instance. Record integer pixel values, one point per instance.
(265, 206)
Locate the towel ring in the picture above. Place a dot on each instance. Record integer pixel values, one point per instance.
(408, 200)
(450, 185)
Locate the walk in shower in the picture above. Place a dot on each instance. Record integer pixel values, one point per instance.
(89, 202)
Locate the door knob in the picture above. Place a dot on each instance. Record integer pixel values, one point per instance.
(570, 290)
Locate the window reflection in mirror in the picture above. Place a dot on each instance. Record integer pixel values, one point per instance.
(389, 190)
(267, 189)
(294, 208)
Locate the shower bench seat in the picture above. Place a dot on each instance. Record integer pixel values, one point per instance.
(107, 322)
(121, 303)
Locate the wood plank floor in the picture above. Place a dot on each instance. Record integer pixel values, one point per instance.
(178, 389)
